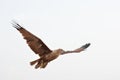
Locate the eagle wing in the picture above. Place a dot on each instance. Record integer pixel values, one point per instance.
(82, 48)
(34, 42)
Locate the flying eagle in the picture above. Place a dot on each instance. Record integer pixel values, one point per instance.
(38, 46)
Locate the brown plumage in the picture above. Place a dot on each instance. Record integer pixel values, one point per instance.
(36, 44)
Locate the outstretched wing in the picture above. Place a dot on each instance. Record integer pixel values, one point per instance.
(82, 48)
(34, 42)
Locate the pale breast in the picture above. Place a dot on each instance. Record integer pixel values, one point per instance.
(53, 55)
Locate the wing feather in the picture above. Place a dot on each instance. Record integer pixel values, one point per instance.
(82, 48)
(34, 42)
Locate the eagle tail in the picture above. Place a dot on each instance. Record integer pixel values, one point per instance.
(34, 62)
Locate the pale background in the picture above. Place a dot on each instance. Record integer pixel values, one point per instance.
(66, 24)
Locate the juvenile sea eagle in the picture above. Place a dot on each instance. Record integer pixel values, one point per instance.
(38, 46)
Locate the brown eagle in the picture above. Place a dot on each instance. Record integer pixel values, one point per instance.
(38, 46)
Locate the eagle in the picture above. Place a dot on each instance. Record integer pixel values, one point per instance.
(39, 47)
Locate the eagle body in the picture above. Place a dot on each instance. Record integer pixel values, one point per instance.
(53, 55)
(39, 47)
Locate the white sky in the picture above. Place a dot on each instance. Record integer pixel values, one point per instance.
(66, 24)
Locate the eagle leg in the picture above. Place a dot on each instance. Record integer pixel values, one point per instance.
(41, 64)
